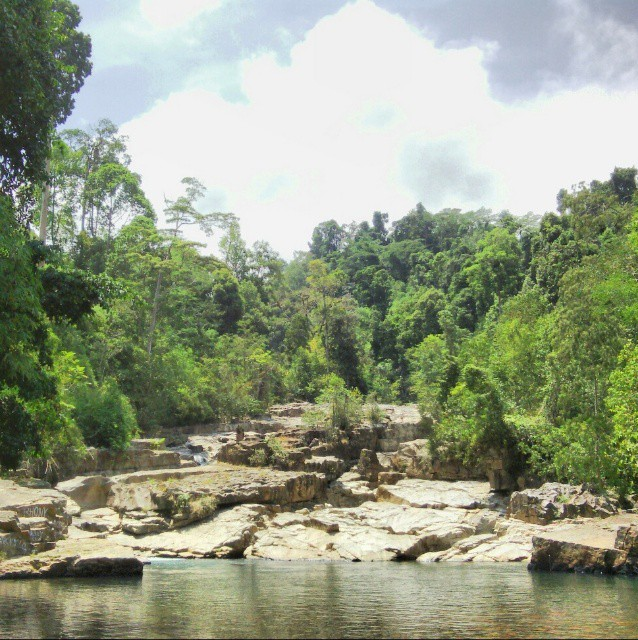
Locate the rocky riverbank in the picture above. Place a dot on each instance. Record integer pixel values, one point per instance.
(278, 489)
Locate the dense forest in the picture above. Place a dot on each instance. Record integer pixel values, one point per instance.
(513, 333)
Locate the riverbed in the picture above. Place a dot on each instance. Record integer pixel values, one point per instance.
(260, 599)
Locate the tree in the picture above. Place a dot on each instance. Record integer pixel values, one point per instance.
(495, 273)
(44, 61)
(327, 239)
(28, 403)
(101, 144)
(181, 212)
(114, 192)
(234, 250)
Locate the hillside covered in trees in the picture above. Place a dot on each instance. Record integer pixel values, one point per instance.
(515, 333)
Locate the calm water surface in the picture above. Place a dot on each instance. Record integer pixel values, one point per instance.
(253, 599)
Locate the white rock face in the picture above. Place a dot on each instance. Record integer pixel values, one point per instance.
(371, 532)
(436, 494)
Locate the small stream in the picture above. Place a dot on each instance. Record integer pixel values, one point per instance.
(260, 599)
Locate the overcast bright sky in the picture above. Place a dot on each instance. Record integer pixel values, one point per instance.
(292, 112)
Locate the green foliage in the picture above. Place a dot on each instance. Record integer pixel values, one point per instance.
(278, 454)
(19, 432)
(104, 415)
(258, 458)
(372, 411)
(44, 60)
(157, 443)
(344, 407)
(433, 374)
(622, 402)
(70, 294)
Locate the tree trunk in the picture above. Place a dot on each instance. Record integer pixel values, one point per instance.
(158, 287)
(44, 211)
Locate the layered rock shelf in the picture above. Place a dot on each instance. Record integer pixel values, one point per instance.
(374, 493)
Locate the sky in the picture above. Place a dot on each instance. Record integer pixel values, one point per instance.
(293, 112)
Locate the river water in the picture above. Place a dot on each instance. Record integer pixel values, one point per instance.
(260, 599)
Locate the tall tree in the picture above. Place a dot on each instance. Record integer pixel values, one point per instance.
(44, 61)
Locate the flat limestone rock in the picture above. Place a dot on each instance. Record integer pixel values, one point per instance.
(436, 494)
(75, 558)
(498, 540)
(225, 535)
(228, 484)
(99, 521)
(370, 532)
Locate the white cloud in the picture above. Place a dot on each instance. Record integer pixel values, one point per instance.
(370, 115)
(169, 14)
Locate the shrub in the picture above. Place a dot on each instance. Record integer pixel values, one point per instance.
(259, 458)
(277, 452)
(344, 404)
(104, 415)
(373, 411)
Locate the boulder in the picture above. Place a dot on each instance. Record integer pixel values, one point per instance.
(245, 453)
(90, 492)
(330, 466)
(227, 534)
(369, 465)
(497, 540)
(390, 477)
(31, 520)
(144, 524)
(77, 559)
(415, 460)
(190, 495)
(591, 546)
(554, 501)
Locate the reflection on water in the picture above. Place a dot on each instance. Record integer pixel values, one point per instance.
(253, 599)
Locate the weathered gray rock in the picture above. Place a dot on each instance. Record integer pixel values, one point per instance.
(591, 546)
(90, 492)
(350, 490)
(99, 521)
(227, 534)
(390, 477)
(290, 410)
(39, 519)
(415, 460)
(369, 466)
(330, 466)
(554, 501)
(243, 453)
(499, 541)
(143, 523)
(77, 559)
(403, 423)
(436, 494)
(370, 532)
(193, 494)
